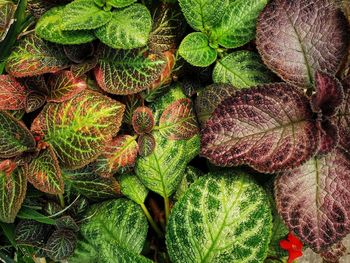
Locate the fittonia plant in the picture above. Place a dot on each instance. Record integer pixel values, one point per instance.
(107, 108)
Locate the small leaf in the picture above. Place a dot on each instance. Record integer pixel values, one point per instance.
(129, 28)
(45, 174)
(314, 200)
(146, 143)
(34, 56)
(64, 86)
(61, 244)
(79, 53)
(7, 11)
(132, 102)
(12, 93)
(83, 14)
(67, 222)
(242, 69)
(15, 138)
(142, 120)
(195, 49)
(34, 101)
(253, 127)
(132, 188)
(178, 121)
(49, 27)
(120, 3)
(334, 254)
(223, 217)
(30, 232)
(286, 31)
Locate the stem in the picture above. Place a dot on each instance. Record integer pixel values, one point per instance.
(151, 221)
(167, 209)
(61, 198)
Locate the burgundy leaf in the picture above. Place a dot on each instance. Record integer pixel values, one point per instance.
(329, 136)
(142, 120)
(333, 254)
(314, 199)
(37, 83)
(34, 101)
(269, 127)
(12, 93)
(297, 38)
(79, 53)
(146, 143)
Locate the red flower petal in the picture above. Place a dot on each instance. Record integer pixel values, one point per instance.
(293, 254)
(286, 245)
(295, 241)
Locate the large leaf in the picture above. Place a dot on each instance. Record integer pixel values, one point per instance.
(242, 69)
(78, 129)
(223, 217)
(190, 176)
(34, 56)
(269, 127)
(30, 232)
(286, 34)
(12, 93)
(129, 28)
(15, 138)
(126, 72)
(314, 199)
(342, 118)
(13, 187)
(61, 244)
(120, 3)
(142, 120)
(131, 187)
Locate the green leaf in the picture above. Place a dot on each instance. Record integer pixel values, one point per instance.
(49, 27)
(202, 15)
(223, 217)
(7, 11)
(28, 213)
(13, 187)
(67, 222)
(79, 128)
(195, 49)
(129, 28)
(15, 138)
(242, 69)
(61, 244)
(120, 3)
(131, 187)
(190, 176)
(84, 14)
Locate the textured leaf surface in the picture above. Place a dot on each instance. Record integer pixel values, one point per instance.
(221, 218)
(45, 174)
(242, 69)
(61, 244)
(314, 200)
(342, 118)
(195, 49)
(34, 56)
(15, 138)
(286, 31)
(334, 254)
(132, 187)
(120, 3)
(126, 72)
(34, 101)
(146, 143)
(78, 129)
(7, 10)
(12, 93)
(268, 127)
(80, 53)
(142, 120)
(129, 28)
(329, 136)
(30, 232)
(190, 176)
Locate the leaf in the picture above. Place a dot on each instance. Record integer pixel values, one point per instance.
(195, 49)
(79, 128)
(285, 36)
(34, 101)
(34, 56)
(132, 102)
(127, 72)
(28, 213)
(15, 138)
(129, 28)
(118, 155)
(67, 222)
(334, 254)
(142, 120)
(80, 53)
(202, 15)
(242, 69)
(50, 28)
(239, 22)
(44, 173)
(61, 244)
(83, 14)
(190, 176)
(146, 143)
(12, 93)
(329, 136)
(30, 232)
(269, 127)
(120, 3)
(132, 188)
(64, 86)
(342, 118)
(79, 70)
(223, 217)
(7, 11)
(313, 199)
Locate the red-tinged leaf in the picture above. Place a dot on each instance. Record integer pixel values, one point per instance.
(333, 254)
(329, 94)
(314, 199)
(132, 102)
(13, 188)
(178, 121)
(79, 70)
(142, 120)
(268, 127)
(36, 83)
(64, 86)
(119, 155)
(146, 143)
(286, 33)
(34, 101)
(34, 56)
(165, 75)
(329, 136)
(12, 93)
(44, 173)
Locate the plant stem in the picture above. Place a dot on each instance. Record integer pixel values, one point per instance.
(61, 198)
(167, 209)
(151, 221)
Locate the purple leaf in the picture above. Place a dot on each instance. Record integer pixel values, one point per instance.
(333, 254)
(146, 143)
(329, 136)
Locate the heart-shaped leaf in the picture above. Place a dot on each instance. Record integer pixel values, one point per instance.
(195, 49)
(12, 93)
(223, 217)
(34, 56)
(131, 187)
(142, 120)
(15, 138)
(34, 101)
(44, 173)
(285, 37)
(126, 72)
(129, 28)
(120, 3)
(314, 199)
(61, 244)
(79, 128)
(146, 143)
(269, 127)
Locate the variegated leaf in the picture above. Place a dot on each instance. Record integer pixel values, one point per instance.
(142, 120)
(146, 143)
(12, 93)
(34, 101)
(7, 11)
(61, 244)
